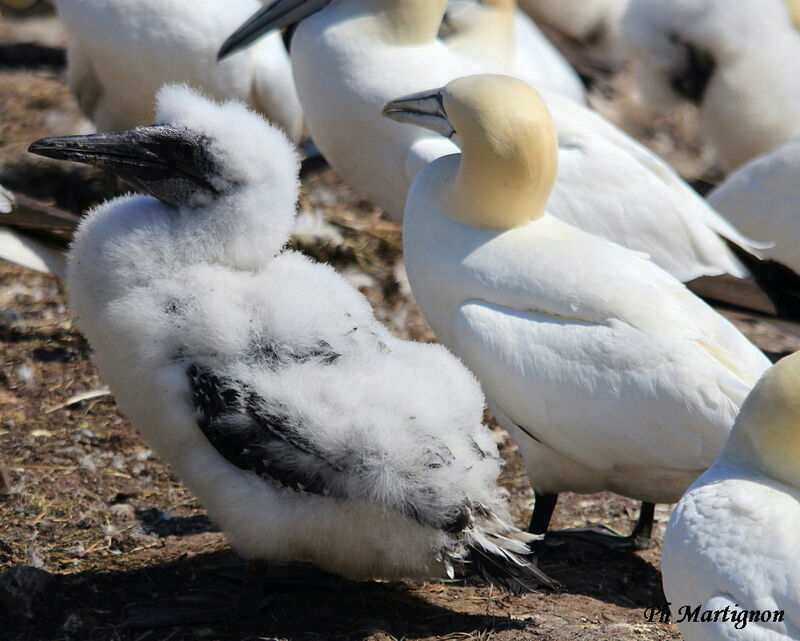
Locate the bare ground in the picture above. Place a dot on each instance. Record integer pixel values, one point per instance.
(83, 499)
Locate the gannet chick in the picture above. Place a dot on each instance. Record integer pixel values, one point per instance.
(760, 199)
(607, 372)
(121, 51)
(729, 59)
(592, 21)
(350, 57)
(496, 31)
(731, 543)
(263, 378)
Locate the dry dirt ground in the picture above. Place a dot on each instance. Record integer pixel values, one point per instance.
(115, 536)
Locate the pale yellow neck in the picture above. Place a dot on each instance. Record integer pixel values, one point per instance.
(766, 435)
(488, 35)
(794, 12)
(497, 190)
(404, 22)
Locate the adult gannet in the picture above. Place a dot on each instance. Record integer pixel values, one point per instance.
(731, 543)
(22, 250)
(587, 20)
(794, 12)
(496, 31)
(350, 57)
(263, 378)
(728, 58)
(121, 51)
(762, 199)
(607, 372)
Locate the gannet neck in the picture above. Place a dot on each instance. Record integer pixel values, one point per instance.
(401, 22)
(794, 12)
(766, 435)
(487, 31)
(509, 151)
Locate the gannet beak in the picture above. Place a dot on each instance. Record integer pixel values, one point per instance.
(424, 109)
(272, 17)
(142, 156)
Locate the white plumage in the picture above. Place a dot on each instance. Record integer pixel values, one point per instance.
(349, 60)
(121, 51)
(606, 370)
(19, 249)
(730, 59)
(263, 378)
(497, 32)
(762, 199)
(732, 540)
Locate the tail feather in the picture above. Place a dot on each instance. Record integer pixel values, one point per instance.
(507, 570)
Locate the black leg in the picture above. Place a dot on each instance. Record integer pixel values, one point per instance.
(255, 576)
(543, 508)
(601, 535)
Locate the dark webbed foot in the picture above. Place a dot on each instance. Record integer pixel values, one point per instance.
(639, 539)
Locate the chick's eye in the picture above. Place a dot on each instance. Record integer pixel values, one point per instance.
(186, 150)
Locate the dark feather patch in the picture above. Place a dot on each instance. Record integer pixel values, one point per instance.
(506, 573)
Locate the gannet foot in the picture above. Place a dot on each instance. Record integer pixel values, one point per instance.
(639, 539)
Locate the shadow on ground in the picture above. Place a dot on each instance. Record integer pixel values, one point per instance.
(301, 603)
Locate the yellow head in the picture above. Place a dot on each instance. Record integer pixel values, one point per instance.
(508, 142)
(767, 432)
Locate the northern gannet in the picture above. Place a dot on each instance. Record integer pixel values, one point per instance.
(728, 58)
(263, 378)
(607, 372)
(762, 199)
(350, 57)
(496, 31)
(794, 12)
(731, 543)
(595, 21)
(29, 252)
(121, 51)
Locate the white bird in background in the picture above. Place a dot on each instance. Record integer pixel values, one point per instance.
(731, 543)
(349, 58)
(607, 372)
(498, 33)
(120, 52)
(728, 58)
(263, 378)
(762, 199)
(22, 250)
(592, 21)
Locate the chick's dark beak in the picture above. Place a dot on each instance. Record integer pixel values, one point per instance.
(142, 156)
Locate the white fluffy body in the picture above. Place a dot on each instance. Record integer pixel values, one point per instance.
(732, 540)
(120, 52)
(156, 289)
(607, 372)
(762, 199)
(607, 183)
(752, 102)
